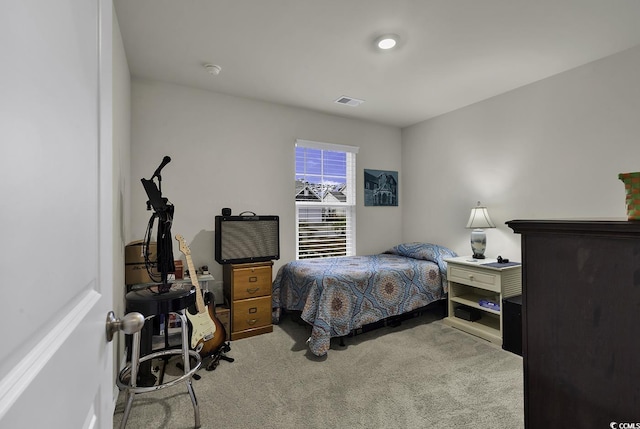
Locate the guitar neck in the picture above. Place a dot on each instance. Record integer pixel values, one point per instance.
(194, 281)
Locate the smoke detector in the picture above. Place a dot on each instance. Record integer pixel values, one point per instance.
(213, 69)
(348, 101)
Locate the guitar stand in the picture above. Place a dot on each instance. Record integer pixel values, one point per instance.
(195, 376)
(215, 356)
(218, 355)
(221, 352)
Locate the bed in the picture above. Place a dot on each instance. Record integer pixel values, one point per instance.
(340, 294)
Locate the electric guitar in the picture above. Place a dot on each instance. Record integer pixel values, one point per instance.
(207, 332)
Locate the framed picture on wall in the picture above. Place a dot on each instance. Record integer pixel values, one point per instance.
(380, 188)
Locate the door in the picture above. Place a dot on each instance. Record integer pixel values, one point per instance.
(55, 214)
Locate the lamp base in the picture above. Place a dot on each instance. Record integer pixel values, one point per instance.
(478, 243)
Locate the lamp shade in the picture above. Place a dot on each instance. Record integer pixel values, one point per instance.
(479, 218)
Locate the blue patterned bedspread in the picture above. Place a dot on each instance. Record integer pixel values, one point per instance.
(337, 295)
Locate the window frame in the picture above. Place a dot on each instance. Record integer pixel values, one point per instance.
(349, 205)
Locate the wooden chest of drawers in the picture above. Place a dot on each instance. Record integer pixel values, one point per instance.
(580, 301)
(247, 288)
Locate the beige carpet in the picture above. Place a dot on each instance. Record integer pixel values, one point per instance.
(422, 374)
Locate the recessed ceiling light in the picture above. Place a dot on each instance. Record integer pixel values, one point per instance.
(387, 41)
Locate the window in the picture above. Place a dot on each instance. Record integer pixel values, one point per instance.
(325, 199)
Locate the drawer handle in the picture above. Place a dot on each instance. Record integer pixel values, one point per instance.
(253, 289)
(470, 277)
(253, 279)
(253, 310)
(251, 321)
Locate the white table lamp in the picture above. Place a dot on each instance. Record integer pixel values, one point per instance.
(479, 220)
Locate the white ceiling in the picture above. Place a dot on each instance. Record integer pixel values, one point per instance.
(307, 53)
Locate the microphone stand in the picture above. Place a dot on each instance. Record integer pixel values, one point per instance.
(164, 242)
(163, 211)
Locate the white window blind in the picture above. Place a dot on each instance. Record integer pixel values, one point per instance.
(325, 199)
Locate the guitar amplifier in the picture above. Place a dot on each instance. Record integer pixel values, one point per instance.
(246, 239)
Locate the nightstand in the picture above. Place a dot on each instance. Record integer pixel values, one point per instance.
(472, 280)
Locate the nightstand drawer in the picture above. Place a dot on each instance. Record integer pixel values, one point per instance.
(251, 282)
(251, 313)
(481, 279)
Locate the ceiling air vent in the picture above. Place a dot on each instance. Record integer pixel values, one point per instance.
(349, 101)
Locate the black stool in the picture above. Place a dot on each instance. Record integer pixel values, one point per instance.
(152, 301)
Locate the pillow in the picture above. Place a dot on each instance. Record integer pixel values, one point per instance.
(426, 252)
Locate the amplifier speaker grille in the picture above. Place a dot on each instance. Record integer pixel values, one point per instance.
(242, 239)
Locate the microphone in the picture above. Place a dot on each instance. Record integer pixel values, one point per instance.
(164, 162)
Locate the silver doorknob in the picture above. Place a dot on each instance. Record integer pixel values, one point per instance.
(129, 324)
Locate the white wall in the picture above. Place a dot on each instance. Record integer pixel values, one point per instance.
(552, 149)
(233, 152)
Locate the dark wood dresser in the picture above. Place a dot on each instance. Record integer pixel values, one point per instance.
(581, 322)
